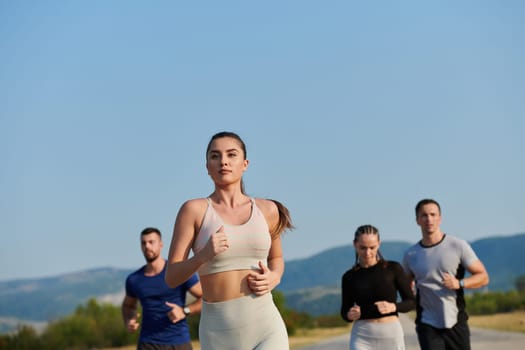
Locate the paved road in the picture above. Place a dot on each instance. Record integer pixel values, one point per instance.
(481, 339)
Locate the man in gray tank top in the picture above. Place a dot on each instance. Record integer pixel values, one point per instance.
(437, 265)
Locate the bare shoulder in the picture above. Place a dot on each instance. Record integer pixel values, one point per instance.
(270, 211)
(267, 206)
(193, 208)
(195, 204)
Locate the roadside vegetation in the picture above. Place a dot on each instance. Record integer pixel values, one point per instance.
(99, 326)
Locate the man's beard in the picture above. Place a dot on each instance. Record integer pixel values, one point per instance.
(150, 258)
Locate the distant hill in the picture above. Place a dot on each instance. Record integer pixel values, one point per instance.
(311, 284)
(49, 298)
(503, 258)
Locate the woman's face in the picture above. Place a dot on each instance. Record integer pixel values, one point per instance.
(366, 247)
(225, 161)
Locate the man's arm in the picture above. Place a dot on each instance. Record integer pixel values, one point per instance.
(129, 313)
(196, 291)
(479, 276)
(409, 274)
(178, 313)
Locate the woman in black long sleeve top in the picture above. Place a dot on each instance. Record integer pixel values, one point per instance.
(369, 295)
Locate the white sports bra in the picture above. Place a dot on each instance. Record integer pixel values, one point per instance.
(249, 243)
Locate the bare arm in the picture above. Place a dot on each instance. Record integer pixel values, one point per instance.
(479, 277)
(269, 277)
(180, 267)
(276, 263)
(129, 313)
(177, 313)
(275, 256)
(196, 291)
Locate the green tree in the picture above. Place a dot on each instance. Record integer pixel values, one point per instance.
(91, 326)
(494, 302)
(193, 324)
(25, 338)
(109, 327)
(292, 319)
(520, 283)
(72, 333)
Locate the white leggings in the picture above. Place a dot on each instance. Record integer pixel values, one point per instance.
(247, 323)
(377, 336)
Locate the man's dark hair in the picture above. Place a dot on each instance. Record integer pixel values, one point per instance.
(425, 202)
(149, 230)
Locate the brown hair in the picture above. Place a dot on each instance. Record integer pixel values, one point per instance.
(425, 202)
(285, 220)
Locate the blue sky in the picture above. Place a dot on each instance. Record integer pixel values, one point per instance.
(351, 112)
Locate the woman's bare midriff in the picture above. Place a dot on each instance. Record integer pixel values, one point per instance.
(383, 319)
(227, 285)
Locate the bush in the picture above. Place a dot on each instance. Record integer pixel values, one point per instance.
(25, 338)
(495, 302)
(91, 326)
(330, 321)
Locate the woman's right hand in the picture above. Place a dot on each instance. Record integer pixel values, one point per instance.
(354, 313)
(217, 243)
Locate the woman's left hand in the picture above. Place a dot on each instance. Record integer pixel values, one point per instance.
(262, 282)
(385, 307)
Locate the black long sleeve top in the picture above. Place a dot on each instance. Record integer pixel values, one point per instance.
(381, 282)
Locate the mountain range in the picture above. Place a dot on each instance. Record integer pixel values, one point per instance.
(310, 285)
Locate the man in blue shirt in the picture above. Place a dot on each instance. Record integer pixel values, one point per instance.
(164, 309)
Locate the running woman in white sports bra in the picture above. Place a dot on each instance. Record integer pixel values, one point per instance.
(237, 251)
